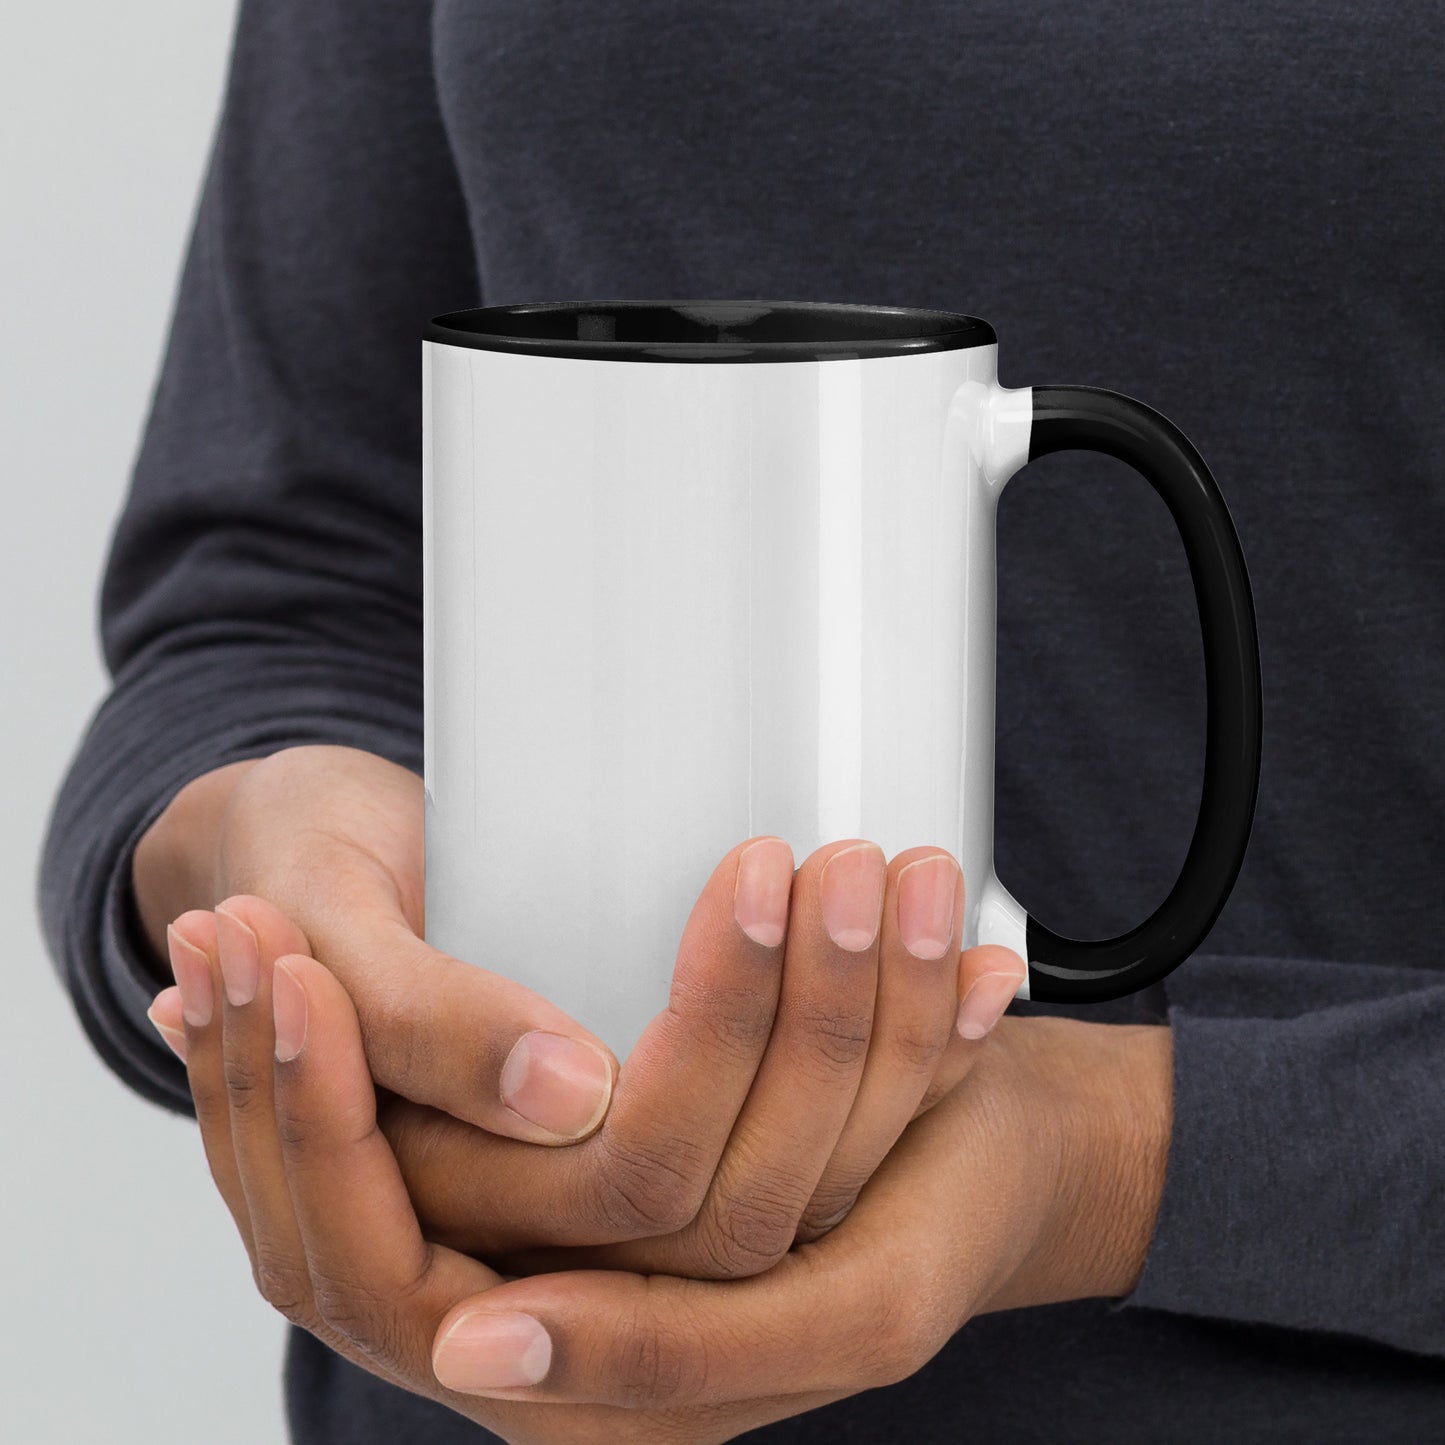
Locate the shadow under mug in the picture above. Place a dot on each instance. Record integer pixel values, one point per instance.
(701, 570)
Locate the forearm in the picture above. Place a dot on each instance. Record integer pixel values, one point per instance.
(1100, 1118)
(1281, 1095)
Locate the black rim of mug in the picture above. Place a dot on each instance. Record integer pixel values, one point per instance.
(709, 331)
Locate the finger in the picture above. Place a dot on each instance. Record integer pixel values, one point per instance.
(217, 1070)
(344, 1255)
(676, 1102)
(662, 1343)
(452, 1034)
(913, 1021)
(1003, 973)
(806, 1085)
(800, 1101)
(989, 979)
(192, 946)
(251, 932)
(286, 1277)
(165, 1013)
(250, 935)
(374, 1280)
(865, 1307)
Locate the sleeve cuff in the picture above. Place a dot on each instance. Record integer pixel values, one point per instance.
(152, 736)
(129, 973)
(1304, 1186)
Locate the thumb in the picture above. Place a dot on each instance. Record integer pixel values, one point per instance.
(463, 1039)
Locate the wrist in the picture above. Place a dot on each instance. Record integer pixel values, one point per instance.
(1105, 1096)
(176, 863)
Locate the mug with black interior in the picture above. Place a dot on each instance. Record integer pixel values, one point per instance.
(701, 570)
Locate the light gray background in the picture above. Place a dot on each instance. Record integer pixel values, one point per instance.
(128, 1308)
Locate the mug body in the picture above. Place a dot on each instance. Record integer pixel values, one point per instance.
(673, 601)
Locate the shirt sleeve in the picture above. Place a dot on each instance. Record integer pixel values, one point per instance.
(263, 587)
(1305, 1185)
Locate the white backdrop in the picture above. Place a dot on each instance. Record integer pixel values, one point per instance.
(129, 1313)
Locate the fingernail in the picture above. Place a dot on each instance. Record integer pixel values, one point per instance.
(288, 1009)
(192, 970)
(925, 905)
(240, 957)
(173, 1036)
(760, 899)
(984, 1004)
(561, 1084)
(485, 1351)
(852, 896)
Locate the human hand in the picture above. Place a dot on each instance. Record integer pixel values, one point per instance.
(1037, 1183)
(754, 1107)
(757, 1105)
(331, 837)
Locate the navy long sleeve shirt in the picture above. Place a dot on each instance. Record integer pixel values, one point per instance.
(1231, 211)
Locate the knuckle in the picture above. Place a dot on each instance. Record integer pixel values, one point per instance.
(744, 1235)
(733, 1022)
(359, 1315)
(647, 1187)
(919, 1045)
(286, 1289)
(655, 1367)
(836, 1041)
(309, 1137)
(296, 1134)
(247, 1090)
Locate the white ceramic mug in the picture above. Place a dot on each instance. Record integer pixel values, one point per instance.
(701, 570)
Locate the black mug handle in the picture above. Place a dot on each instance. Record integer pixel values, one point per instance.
(1069, 970)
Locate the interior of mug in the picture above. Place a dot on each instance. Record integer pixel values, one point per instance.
(709, 330)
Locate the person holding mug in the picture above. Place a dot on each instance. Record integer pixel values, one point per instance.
(831, 1191)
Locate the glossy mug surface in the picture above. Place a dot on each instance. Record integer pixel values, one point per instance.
(700, 570)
